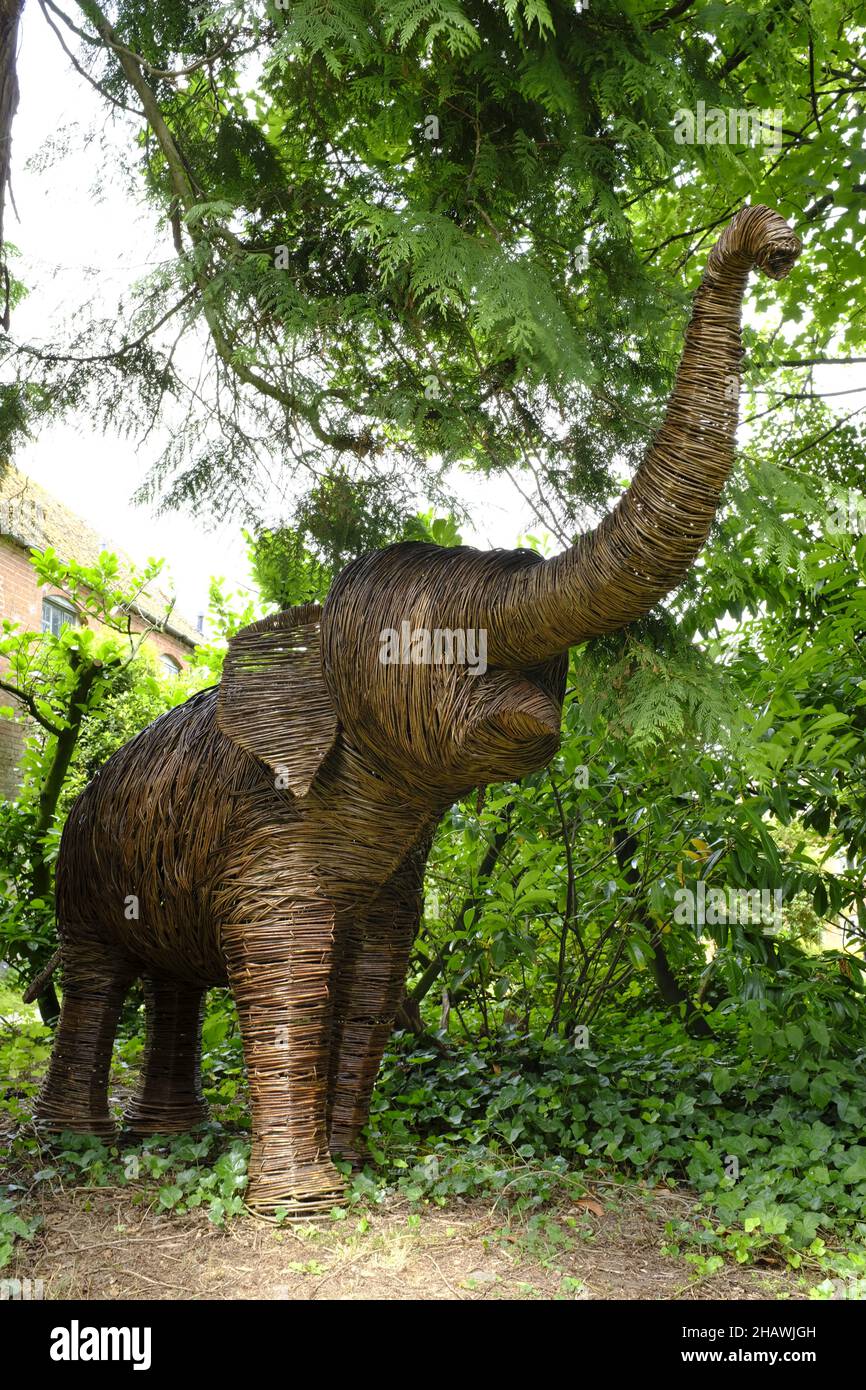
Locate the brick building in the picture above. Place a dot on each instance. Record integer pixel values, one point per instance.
(31, 518)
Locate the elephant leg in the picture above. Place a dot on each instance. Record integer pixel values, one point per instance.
(75, 1093)
(169, 1098)
(280, 978)
(368, 989)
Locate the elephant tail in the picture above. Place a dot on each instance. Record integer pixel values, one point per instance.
(35, 988)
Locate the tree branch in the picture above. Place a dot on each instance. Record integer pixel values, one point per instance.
(29, 703)
(187, 196)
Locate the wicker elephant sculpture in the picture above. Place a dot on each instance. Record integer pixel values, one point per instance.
(272, 832)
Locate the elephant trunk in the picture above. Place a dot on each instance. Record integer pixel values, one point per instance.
(644, 547)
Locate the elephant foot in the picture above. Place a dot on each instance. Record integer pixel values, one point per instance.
(74, 1094)
(53, 1121)
(142, 1118)
(302, 1192)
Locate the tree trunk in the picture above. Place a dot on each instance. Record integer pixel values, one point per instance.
(64, 748)
(10, 16)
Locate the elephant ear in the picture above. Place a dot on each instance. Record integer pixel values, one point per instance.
(273, 700)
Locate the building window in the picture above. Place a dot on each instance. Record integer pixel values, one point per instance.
(58, 613)
(172, 667)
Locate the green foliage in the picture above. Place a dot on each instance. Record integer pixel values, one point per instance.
(285, 572)
(641, 1100)
(591, 860)
(13, 1227)
(227, 614)
(27, 930)
(87, 689)
(474, 251)
(335, 524)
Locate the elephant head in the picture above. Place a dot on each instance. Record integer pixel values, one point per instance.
(489, 707)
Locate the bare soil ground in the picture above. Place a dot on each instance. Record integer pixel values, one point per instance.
(100, 1244)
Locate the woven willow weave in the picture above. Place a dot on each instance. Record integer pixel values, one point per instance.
(272, 833)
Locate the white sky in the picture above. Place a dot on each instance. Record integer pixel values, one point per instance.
(68, 239)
